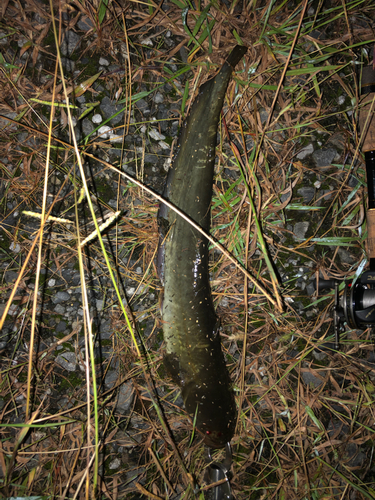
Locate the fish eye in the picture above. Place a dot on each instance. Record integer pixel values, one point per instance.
(218, 434)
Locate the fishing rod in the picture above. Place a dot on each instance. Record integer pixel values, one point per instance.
(356, 306)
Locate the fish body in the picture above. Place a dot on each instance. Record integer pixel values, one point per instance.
(194, 357)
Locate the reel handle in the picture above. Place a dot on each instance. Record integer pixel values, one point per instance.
(324, 285)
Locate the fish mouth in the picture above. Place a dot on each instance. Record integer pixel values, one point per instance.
(214, 439)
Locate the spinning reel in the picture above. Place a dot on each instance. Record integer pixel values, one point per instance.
(356, 306)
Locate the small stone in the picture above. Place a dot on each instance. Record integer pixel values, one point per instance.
(103, 132)
(354, 458)
(306, 151)
(115, 138)
(115, 464)
(61, 327)
(15, 247)
(68, 64)
(353, 182)
(125, 397)
(87, 127)
(111, 378)
(142, 106)
(158, 98)
(310, 379)
(326, 194)
(300, 229)
(147, 41)
(103, 62)
(324, 157)
(112, 110)
(59, 309)
(164, 145)
(68, 361)
(319, 355)
(60, 297)
(307, 193)
(85, 23)
(156, 135)
(97, 118)
(13, 310)
(4, 123)
(70, 43)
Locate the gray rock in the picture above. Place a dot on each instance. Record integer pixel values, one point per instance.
(99, 304)
(310, 379)
(158, 98)
(61, 327)
(174, 128)
(110, 108)
(125, 397)
(306, 151)
(353, 181)
(59, 309)
(115, 464)
(111, 379)
(60, 297)
(310, 289)
(338, 140)
(70, 43)
(324, 157)
(150, 158)
(142, 106)
(68, 361)
(319, 355)
(22, 137)
(307, 193)
(39, 19)
(103, 62)
(68, 64)
(15, 247)
(87, 127)
(10, 276)
(263, 116)
(77, 134)
(300, 229)
(6, 123)
(284, 197)
(105, 329)
(85, 23)
(64, 403)
(326, 193)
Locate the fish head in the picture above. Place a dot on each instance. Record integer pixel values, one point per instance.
(215, 413)
(214, 438)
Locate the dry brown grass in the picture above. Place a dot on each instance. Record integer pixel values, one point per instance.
(294, 439)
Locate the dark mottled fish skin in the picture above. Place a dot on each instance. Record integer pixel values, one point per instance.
(194, 357)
